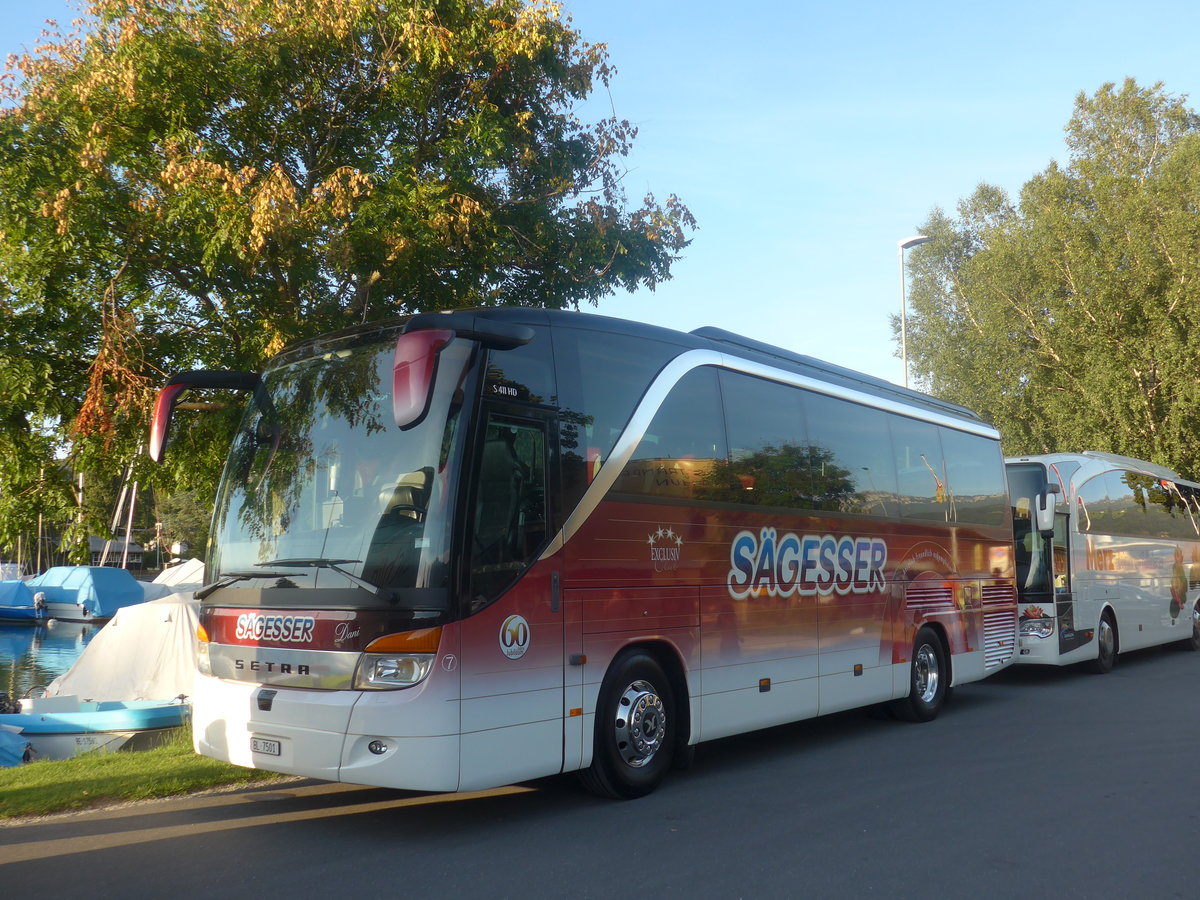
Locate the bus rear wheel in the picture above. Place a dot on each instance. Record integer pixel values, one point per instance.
(1106, 645)
(929, 680)
(635, 729)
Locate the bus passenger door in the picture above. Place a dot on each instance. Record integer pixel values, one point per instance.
(512, 665)
(1073, 630)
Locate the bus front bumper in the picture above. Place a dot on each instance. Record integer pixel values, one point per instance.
(357, 737)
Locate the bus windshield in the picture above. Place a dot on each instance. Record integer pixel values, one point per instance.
(323, 490)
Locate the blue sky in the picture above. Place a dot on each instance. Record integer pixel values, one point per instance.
(808, 138)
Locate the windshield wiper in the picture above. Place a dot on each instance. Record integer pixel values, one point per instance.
(228, 578)
(335, 565)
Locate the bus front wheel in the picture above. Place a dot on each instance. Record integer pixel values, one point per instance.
(1106, 646)
(635, 729)
(929, 680)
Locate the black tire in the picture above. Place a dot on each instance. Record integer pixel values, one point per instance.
(634, 740)
(1193, 642)
(1106, 645)
(928, 681)
(685, 755)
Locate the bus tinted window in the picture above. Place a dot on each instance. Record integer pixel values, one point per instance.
(683, 452)
(768, 444)
(524, 373)
(1149, 517)
(975, 477)
(1166, 511)
(1092, 500)
(1138, 505)
(602, 379)
(920, 472)
(851, 462)
(1187, 511)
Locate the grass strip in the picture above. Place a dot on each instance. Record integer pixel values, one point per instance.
(51, 786)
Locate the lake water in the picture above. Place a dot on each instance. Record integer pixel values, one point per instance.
(34, 655)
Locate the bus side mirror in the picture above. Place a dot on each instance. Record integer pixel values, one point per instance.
(177, 386)
(1044, 509)
(164, 408)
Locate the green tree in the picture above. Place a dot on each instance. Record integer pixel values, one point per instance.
(192, 183)
(1070, 319)
(185, 518)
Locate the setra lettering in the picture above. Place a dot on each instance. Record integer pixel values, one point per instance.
(260, 665)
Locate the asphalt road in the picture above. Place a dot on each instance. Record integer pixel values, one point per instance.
(1034, 783)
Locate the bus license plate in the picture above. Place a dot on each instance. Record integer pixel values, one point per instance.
(262, 745)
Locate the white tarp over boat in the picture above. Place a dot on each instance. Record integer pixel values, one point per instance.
(181, 573)
(146, 652)
(186, 575)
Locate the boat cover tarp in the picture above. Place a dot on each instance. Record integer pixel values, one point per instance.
(185, 575)
(12, 748)
(146, 652)
(15, 593)
(182, 572)
(101, 590)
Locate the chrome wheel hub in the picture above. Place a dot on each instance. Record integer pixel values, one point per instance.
(926, 674)
(641, 724)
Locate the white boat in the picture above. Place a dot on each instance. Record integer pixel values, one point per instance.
(128, 687)
(66, 727)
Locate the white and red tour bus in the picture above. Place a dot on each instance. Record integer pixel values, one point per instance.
(1118, 566)
(461, 550)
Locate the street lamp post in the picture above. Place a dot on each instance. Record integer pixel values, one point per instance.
(904, 245)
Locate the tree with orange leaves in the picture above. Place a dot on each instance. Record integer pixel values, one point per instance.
(191, 183)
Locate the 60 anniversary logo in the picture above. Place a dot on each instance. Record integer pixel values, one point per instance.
(514, 637)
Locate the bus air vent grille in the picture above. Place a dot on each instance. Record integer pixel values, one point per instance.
(930, 599)
(999, 624)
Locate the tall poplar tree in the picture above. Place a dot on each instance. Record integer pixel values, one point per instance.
(1071, 319)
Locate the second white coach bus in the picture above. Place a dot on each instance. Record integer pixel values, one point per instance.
(1121, 568)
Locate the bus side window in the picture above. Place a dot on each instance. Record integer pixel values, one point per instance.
(920, 471)
(1160, 510)
(975, 476)
(1126, 515)
(601, 377)
(768, 442)
(851, 457)
(1092, 497)
(683, 453)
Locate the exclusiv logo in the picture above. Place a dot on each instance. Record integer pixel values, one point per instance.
(514, 637)
(665, 549)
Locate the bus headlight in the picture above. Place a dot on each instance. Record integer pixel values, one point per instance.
(381, 671)
(397, 660)
(203, 663)
(1040, 628)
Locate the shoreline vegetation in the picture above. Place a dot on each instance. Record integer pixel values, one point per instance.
(99, 779)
